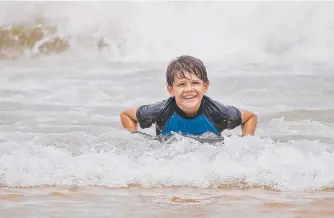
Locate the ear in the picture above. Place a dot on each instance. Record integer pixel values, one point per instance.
(170, 91)
(206, 86)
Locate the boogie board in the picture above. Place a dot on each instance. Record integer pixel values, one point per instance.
(201, 139)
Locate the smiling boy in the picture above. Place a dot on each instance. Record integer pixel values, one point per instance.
(188, 111)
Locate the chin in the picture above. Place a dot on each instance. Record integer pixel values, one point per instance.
(191, 105)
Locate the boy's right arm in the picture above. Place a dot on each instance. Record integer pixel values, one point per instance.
(129, 119)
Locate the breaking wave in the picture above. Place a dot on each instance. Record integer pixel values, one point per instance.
(263, 33)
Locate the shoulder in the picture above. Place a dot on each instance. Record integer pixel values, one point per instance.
(150, 113)
(213, 105)
(155, 107)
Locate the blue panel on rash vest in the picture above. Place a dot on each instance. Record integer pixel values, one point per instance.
(195, 126)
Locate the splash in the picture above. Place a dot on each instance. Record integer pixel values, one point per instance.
(239, 163)
(263, 33)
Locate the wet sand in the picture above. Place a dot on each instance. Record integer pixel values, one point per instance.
(162, 202)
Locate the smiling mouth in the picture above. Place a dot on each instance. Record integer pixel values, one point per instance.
(190, 97)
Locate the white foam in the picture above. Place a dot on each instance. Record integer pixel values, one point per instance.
(250, 161)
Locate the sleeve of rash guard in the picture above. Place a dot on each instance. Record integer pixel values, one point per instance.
(149, 114)
(233, 115)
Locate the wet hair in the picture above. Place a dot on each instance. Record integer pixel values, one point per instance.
(186, 64)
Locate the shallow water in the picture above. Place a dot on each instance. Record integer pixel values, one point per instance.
(166, 202)
(62, 145)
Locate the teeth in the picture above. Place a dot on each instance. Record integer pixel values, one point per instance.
(189, 97)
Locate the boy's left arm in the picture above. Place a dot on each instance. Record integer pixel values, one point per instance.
(248, 123)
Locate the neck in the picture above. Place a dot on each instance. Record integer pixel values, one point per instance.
(191, 113)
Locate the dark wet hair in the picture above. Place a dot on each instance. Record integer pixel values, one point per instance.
(186, 64)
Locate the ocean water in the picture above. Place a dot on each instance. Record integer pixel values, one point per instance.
(68, 69)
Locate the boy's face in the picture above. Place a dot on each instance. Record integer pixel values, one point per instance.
(188, 92)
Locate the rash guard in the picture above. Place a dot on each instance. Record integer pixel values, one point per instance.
(212, 117)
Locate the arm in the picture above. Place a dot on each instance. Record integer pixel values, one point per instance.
(129, 119)
(144, 115)
(248, 124)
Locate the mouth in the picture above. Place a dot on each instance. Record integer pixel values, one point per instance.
(189, 97)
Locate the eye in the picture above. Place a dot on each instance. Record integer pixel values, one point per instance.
(180, 84)
(196, 82)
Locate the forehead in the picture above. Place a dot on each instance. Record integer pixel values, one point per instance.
(185, 76)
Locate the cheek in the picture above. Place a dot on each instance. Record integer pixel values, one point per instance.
(178, 91)
(200, 90)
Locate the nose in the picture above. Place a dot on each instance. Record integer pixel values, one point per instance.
(188, 87)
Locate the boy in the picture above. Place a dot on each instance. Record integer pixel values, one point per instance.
(188, 111)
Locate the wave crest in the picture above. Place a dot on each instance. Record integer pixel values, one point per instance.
(267, 33)
(33, 40)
